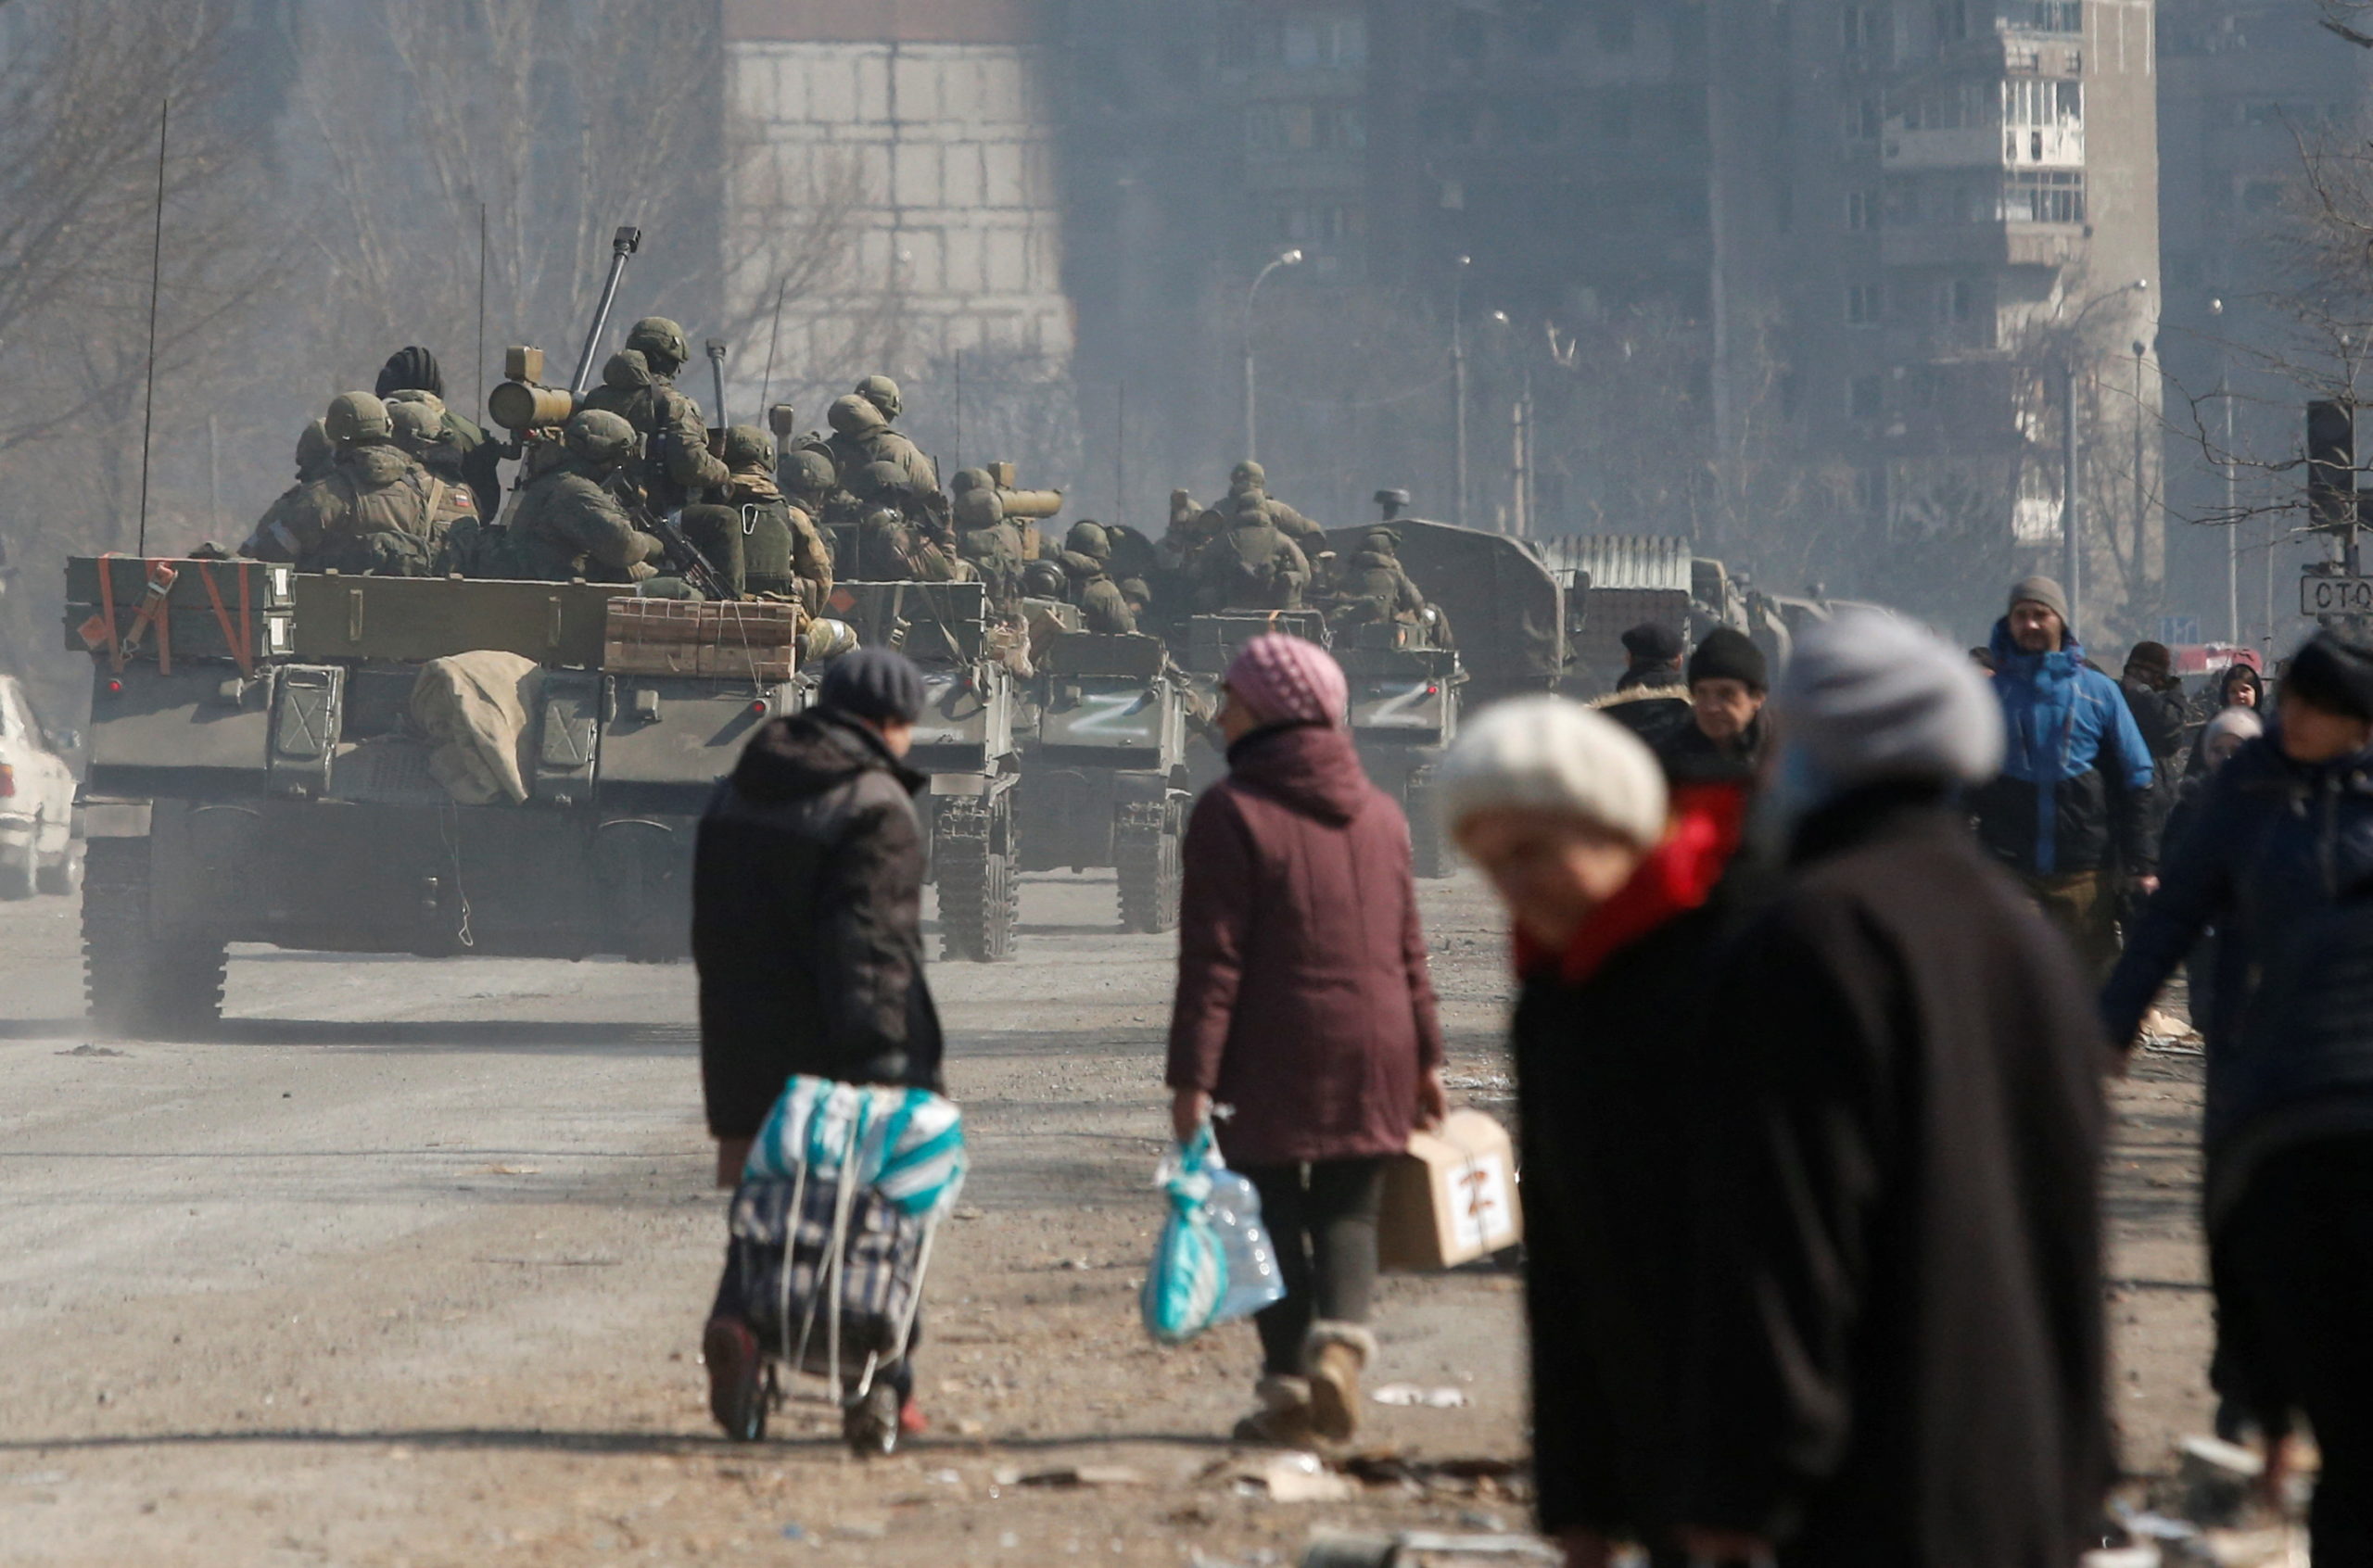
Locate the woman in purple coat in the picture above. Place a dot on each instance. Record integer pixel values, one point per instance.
(1304, 1004)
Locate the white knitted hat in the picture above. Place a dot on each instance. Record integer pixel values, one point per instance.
(1549, 754)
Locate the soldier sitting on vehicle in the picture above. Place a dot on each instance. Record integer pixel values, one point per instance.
(1085, 559)
(567, 524)
(861, 436)
(1248, 482)
(420, 431)
(990, 543)
(1251, 566)
(673, 465)
(316, 457)
(1373, 587)
(782, 550)
(374, 514)
(478, 462)
(883, 489)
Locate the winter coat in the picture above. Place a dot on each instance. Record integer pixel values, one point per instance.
(1656, 714)
(2074, 793)
(1303, 997)
(1898, 1353)
(806, 921)
(1603, 1082)
(1690, 755)
(2159, 719)
(2270, 851)
(675, 465)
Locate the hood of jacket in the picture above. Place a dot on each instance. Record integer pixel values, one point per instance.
(1311, 767)
(852, 415)
(806, 754)
(376, 467)
(2260, 765)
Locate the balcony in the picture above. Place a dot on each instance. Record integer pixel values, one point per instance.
(1983, 146)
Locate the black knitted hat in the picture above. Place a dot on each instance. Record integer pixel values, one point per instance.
(1729, 655)
(1652, 642)
(410, 370)
(2333, 673)
(874, 683)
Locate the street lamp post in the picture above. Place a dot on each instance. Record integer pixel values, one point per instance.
(2070, 519)
(1252, 380)
(1459, 387)
(2232, 519)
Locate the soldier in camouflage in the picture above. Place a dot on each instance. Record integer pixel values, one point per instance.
(861, 438)
(477, 461)
(568, 524)
(1086, 560)
(673, 464)
(992, 544)
(1249, 482)
(374, 514)
(1252, 565)
(782, 552)
(316, 457)
(1375, 586)
(420, 430)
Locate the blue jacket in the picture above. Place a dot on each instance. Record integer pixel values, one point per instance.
(2075, 789)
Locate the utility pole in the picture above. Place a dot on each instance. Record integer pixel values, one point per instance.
(2072, 564)
(2232, 506)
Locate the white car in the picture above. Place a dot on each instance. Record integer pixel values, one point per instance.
(38, 850)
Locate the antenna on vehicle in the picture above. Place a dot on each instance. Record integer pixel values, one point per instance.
(156, 276)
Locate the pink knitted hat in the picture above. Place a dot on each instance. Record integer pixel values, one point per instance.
(1289, 680)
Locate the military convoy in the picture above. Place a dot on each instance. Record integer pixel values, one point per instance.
(384, 764)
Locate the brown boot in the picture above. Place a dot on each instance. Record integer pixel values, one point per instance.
(1336, 1355)
(1283, 1420)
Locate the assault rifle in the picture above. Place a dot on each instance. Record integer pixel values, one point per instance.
(684, 558)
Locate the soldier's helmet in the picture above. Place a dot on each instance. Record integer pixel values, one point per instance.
(659, 338)
(809, 473)
(883, 393)
(749, 449)
(597, 435)
(852, 416)
(418, 427)
(1089, 538)
(885, 482)
(315, 449)
(978, 509)
(415, 394)
(1043, 580)
(1248, 476)
(357, 419)
(971, 479)
(1382, 540)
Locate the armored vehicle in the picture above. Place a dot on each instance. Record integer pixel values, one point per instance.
(381, 764)
(1104, 777)
(965, 742)
(1404, 713)
(1210, 646)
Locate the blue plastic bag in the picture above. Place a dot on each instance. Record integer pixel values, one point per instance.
(1188, 1276)
(1212, 1262)
(1254, 1282)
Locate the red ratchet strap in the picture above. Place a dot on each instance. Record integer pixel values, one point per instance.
(235, 639)
(106, 609)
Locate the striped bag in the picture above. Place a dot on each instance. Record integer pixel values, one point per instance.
(907, 1145)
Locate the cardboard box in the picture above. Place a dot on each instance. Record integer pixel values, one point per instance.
(1451, 1198)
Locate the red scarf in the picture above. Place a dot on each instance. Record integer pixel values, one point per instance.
(1677, 877)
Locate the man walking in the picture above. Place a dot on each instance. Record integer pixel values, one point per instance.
(2071, 811)
(807, 930)
(1897, 1350)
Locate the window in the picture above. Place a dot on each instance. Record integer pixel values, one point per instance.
(1863, 396)
(2044, 15)
(1952, 20)
(1863, 29)
(2034, 102)
(1319, 223)
(1862, 210)
(1862, 304)
(1865, 118)
(2044, 197)
(1956, 300)
(1282, 128)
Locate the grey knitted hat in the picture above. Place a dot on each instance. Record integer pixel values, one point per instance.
(2041, 590)
(874, 683)
(1870, 699)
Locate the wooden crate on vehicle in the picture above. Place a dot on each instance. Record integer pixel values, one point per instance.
(737, 639)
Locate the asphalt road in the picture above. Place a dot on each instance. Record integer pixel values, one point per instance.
(409, 1267)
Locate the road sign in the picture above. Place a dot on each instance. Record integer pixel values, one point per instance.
(2178, 631)
(2335, 596)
